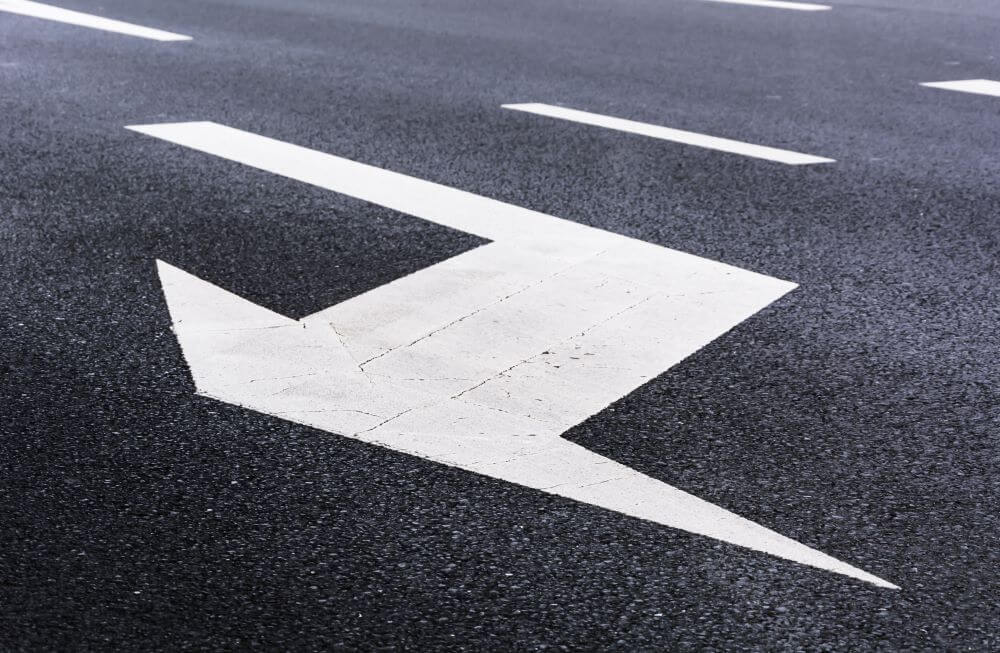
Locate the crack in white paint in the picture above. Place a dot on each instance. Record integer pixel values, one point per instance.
(257, 328)
(616, 315)
(493, 377)
(386, 420)
(466, 316)
(546, 290)
(507, 412)
(331, 410)
(527, 361)
(343, 344)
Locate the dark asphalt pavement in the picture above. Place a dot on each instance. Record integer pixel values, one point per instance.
(859, 414)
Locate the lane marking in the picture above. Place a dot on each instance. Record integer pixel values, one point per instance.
(48, 12)
(978, 86)
(482, 361)
(777, 4)
(669, 134)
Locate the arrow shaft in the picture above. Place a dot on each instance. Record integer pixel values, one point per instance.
(449, 207)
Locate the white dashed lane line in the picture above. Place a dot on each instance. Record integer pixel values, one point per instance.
(777, 4)
(48, 12)
(669, 134)
(978, 86)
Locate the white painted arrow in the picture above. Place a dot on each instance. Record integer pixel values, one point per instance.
(484, 360)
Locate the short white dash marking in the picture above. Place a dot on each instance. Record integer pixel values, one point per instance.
(669, 134)
(48, 12)
(978, 86)
(777, 4)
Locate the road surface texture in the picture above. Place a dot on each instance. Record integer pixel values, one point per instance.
(858, 414)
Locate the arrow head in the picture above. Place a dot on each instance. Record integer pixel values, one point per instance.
(246, 355)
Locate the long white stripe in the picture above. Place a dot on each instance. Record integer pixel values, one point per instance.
(48, 12)
(669, 134)
(979, 86)
(443, 205)
(777, 4)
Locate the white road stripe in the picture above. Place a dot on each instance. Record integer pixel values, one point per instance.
(484, 360)
(777, 4)
(48, 12)
(979, 86)
(669, 134)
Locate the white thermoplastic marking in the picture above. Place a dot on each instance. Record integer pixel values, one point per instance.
(39, 10)
(777, 4)
(979, 86)
(669, 134)
(482, 361)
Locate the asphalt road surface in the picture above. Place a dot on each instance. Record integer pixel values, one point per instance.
(857, 415)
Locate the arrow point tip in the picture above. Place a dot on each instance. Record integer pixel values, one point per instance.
(859, 574)
(170, 273)
(887, 585)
